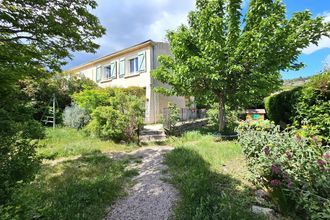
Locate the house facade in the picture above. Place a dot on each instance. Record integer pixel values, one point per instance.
(132, 67)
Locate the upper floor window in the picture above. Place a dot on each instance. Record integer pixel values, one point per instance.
(133, 65)
(110, 71)
(107, 72)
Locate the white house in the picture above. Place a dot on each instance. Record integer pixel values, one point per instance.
(132, 67)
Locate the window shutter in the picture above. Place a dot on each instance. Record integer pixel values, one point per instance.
(122, 67)
(113, 69)
(98, 74)
(142, 61)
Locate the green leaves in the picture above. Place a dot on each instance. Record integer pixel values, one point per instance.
(38, 36)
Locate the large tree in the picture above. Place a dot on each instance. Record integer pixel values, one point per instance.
(37, 36)
(233, 58)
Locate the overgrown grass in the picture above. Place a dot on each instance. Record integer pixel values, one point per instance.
(210, 178)
(64, 142)
(82, 188)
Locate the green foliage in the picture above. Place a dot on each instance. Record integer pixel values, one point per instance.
(107, 123)
(75, 117)
(207, 191)
(236, 59)
(82, 188)
(305, 108)
(313, 107)
(90, 99)
(213, 118)
(115, 114)
(43, 37)
(39, 92)
(18, 164)
(171, 119)
(294, 169)
(280, 107)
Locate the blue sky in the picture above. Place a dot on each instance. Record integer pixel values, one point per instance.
(132, 21)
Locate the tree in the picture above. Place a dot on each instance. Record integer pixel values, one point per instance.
(236, 59)
(36, 37)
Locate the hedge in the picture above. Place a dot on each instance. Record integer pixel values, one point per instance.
(281, 106)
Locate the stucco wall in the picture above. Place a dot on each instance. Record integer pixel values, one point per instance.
(155, 103)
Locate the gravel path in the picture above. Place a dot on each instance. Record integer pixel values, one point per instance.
(151, 197)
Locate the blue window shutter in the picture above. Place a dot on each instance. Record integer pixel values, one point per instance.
(142, 61)
(122, 67)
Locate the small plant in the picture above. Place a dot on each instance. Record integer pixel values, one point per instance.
(75, 117)
(19, 162)
(294, 169)
(213, 119)
(171, 119)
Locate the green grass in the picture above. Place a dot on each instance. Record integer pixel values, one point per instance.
(211, 179)
(64, 142)
(82, 188)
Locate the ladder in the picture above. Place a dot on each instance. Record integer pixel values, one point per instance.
(49, 116)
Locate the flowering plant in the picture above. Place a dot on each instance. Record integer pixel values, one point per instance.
(295, 169)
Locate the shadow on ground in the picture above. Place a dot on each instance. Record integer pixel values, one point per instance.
(76, 189)
(206, 194)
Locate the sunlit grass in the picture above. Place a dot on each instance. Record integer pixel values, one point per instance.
(211, 179)
(82, 188)
(64, 142)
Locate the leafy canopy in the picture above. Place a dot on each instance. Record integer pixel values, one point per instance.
(222, 54)
(38, 36)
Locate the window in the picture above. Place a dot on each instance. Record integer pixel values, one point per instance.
(134, 65)
(107, 72)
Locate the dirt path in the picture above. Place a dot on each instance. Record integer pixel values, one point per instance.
(151, 197)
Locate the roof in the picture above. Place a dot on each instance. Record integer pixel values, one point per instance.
(255, 111)
(131, 48)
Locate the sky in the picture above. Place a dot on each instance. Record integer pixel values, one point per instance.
(129, 22)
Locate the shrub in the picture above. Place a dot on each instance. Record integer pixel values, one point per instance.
(171, 119)
(213, 118)
(294, 169)
(75, 117)
(91, 99)
(313, 107)
(120, 120)
(107, 123)
(63, 86)
(18, 162)
(281, 107)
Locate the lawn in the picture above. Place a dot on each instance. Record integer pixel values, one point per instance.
(80, 187)
(211, 179)
(65, 142)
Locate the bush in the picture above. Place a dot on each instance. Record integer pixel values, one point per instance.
(41, 91)
(281, 107)
(75, 117)
(304, 107)
(18, 163)
(294, 169)
(213, 118)
(93, 98)
(171, 119)
(313, 112)
(120, 120)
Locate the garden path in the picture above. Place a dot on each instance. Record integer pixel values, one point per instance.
(151, 197)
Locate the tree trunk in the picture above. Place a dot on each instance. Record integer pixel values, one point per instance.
(222, 110)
